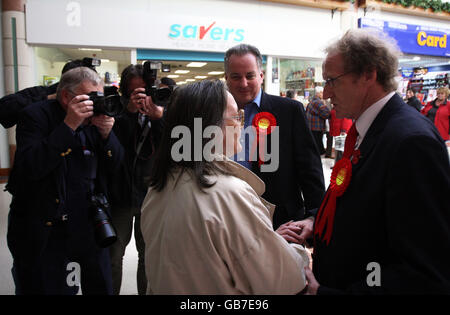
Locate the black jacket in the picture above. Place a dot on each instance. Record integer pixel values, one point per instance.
(11, 105)
(414, 102)
(297, 186)
(129, 184)
(49, 177)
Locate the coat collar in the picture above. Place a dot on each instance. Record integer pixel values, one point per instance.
(249, 177)
(243, 173)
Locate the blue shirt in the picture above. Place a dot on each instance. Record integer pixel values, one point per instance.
(250, 110)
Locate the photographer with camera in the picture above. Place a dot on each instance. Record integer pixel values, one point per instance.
(58, 221)
(139, 129)
(12, 104)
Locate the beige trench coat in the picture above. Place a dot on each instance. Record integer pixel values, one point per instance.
(220, 241)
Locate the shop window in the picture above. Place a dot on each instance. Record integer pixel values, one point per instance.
(301, 76)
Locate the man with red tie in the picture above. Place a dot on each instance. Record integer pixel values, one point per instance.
(383, 226)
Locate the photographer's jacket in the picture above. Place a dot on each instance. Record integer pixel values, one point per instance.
(129, 185)
(54, 170)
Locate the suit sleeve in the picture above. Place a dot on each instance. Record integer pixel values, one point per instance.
(307, 163)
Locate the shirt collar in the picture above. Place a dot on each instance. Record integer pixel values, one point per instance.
(366, 119)
(257, 100)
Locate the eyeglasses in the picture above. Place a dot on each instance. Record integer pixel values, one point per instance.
(332, 81)
(239, 117)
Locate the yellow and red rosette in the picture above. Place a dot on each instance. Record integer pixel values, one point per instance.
(264, 123)
(340, 179)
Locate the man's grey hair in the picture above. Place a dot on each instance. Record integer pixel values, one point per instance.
(74, 77)
(242, 50)
(366, 50)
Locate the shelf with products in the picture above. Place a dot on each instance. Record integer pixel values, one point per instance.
(301, 79)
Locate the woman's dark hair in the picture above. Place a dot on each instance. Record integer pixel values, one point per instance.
(130, 72)
(206, 100)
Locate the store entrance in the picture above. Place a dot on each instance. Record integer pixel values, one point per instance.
(182, 71)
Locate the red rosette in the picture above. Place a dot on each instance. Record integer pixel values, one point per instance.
(341, 176)
(263, 122)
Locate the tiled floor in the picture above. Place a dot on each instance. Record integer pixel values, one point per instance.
(130, 260)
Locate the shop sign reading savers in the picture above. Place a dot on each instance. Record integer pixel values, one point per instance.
(210, 31)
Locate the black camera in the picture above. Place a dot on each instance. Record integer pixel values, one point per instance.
(107, 103)
(159, 96)
(91, 62)
(104, 232)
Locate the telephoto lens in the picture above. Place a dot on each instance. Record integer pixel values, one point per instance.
(104, 232)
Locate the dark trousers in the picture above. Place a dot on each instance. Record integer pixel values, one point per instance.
(64, 261)
(329, 148)
(318, 138)
(122, 218)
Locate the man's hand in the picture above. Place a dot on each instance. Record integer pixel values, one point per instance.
(313, 285)
(290, 232)
(137, 100)
(151, 109)
(104, 125)
(78, 109)
(306, 227)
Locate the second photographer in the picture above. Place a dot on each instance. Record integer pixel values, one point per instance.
(139, 130)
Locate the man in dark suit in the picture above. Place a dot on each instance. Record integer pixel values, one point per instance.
(385, 222)
(62, 158)
(295, 183)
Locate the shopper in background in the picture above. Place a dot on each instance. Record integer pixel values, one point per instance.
(385, 202)
(329, 147)
(438, 111)
(316, 115)
(64, 153)
(338, 127)
(292, 94)
(412, 100)
(138, 130)
(166, 82)
(296, 187)
(206, 229)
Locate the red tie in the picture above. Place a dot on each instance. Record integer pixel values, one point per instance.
(340, 179)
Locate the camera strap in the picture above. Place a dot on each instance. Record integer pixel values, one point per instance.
(142, 137)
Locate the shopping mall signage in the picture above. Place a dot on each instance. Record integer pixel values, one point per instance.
(413, 39)
(212, 31)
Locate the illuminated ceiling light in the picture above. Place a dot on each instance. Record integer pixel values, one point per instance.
(416, 58)
(90, 49)
(181, 82)
(182, 71)
(196, 64)
(173, 76)
(201, 77)
(190, 80)
(215, 72)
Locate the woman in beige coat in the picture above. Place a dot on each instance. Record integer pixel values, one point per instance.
(205, 227)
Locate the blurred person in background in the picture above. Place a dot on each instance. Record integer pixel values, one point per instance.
(438, 111)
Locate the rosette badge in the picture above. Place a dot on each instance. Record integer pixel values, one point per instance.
(264, 123)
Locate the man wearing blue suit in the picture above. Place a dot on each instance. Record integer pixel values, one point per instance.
(295, 184)
(63, 155)
(384, 225)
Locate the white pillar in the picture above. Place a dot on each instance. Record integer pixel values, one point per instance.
(270, 86)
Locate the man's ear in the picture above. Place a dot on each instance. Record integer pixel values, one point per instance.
(371, 76)
(66, 97)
